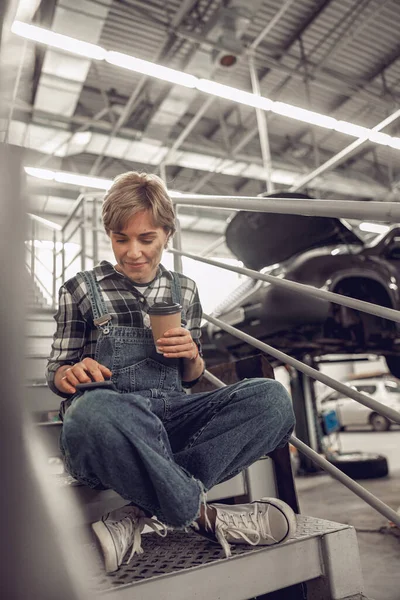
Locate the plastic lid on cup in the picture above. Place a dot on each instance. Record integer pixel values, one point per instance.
(164, 308)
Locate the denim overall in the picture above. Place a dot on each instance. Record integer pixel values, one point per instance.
(157, 446)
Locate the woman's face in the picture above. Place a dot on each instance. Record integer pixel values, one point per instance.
(138, 247)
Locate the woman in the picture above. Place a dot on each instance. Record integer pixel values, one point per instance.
(147, 439)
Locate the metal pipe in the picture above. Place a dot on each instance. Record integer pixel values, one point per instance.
(33, 252)
(301, 288)
(94, 233)
(216, 244)
(177, 245)
(355, 487)
(338, 158)
(309, 411)
(54, 286)
(83, 236)
(217, 382)
(189, 127)
(345, 209)
(62, 255)
(388, 412)
(271, 24)
(262, 128)
(73, 212)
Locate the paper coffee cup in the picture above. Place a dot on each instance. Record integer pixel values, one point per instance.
(164, 316)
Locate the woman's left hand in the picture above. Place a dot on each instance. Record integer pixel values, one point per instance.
(178, 343)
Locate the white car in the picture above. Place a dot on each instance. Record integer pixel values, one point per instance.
(351, 413)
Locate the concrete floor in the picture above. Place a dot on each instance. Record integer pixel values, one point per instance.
(321, 496)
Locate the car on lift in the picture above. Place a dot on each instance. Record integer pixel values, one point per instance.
(323, 252)
(384, 389)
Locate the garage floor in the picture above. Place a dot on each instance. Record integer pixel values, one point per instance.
(321, 496)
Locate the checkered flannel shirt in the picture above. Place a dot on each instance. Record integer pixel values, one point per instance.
(76, 335)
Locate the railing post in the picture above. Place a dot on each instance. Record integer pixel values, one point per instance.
(177, 245)
(33, 234)
(62, 255)
(83, 235)
(54, 288)
(95, 240)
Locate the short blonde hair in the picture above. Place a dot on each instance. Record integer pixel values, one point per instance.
(134, 192)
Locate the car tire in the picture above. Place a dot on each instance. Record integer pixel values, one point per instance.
(379, 422)
(361, 465)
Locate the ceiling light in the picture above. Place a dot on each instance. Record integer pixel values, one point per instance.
(230, 93)
(40, 173)
(81, 138)
(379, 138)
(302, 114)
(88, 50)
(57, 40)
(82, 180)
(148, 68)
(72, 178)
(351, 129)
(374, 227)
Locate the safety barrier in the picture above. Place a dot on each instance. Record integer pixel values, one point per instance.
(349, 209)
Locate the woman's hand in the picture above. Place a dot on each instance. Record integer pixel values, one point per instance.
(87, 370)
(178, 343)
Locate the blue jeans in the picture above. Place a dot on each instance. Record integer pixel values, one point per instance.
(161, 450)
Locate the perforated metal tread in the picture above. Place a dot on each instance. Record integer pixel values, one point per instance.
(181, 551)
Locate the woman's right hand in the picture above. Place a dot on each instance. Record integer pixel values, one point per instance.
(86, 370)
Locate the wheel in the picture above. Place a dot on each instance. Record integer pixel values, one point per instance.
(361, 465)
(379, 422)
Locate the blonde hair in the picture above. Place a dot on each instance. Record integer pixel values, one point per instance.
(134, 192)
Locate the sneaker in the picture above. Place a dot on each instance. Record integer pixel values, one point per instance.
(266, 522)
(116, 537)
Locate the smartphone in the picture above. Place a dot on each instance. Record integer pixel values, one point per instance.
(94, 385)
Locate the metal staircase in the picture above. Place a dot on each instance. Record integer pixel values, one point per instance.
(320, 563)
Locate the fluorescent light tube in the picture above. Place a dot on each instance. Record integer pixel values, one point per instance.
(148, 68)
(302, 114)
(374, 227)
(230, 93)
(40, 173)
(379, 138)
(97, 183)
(57, 40)
(351, 129)
(82, 180)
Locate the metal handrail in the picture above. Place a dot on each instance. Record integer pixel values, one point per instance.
(301, 288)
(388, 412)
(347, 481)
(350, 209)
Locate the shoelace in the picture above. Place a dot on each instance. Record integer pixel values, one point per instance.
(245, 526)
(133, 526)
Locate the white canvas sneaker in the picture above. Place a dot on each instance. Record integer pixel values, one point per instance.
(117, 536)
(265, 522)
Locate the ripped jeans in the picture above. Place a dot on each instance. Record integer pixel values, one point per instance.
(162, 450)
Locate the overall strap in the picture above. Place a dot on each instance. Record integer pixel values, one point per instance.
(100, 315)
(176, 292)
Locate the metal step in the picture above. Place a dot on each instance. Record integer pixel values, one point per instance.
(183, 565)
(35, 366)
(38, 344)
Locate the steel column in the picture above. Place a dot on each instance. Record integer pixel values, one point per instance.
(262, 128)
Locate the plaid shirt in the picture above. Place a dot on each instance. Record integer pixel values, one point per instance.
(76, 335)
